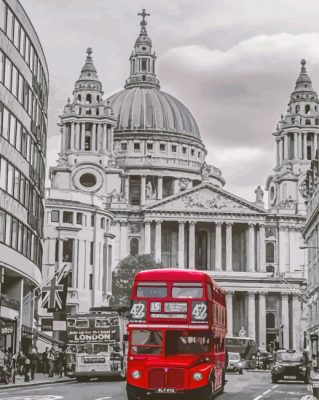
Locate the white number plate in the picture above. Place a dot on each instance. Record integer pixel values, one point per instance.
(165, 390)
(290, 377)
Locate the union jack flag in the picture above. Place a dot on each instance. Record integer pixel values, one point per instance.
(55, 292)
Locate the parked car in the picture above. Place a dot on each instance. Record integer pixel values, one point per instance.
(290, 365)
(235, 363)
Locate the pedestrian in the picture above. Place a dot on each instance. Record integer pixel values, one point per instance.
(27, 367)
(34, 360)
(51, 361)
(60, 361)
(2, 364)
(45, 363)
(21, 363)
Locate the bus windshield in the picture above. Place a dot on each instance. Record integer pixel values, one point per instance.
(193, 343)
(146, 341)
(187, 292)
(158, 292)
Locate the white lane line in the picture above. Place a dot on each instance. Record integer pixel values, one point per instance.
(274, 387)
(103, 398)
(258, 398)
(266, 392)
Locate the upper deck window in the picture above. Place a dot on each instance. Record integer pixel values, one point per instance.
(157, 292)
(82, 323)
(187, 292)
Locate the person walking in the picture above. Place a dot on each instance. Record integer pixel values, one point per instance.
(34, 359)
(51, 361)
(20, 363)
(45, 363)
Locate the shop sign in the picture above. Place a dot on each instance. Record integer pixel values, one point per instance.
(47, 324)
(7, 330)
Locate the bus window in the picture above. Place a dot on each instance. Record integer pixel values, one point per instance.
(70, 322)
(146, 342)
(193, 343)
(100, 348)
(187, 292)
(158, 292)
(82, 323)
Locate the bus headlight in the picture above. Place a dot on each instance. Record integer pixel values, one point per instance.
(136, 374)
(303, 369)
(197, 376)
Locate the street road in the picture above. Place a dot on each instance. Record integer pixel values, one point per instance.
(249, 386)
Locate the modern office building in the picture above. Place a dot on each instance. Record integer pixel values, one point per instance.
(24, 82)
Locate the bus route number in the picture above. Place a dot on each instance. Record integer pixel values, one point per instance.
(199, 312)
(138, 311)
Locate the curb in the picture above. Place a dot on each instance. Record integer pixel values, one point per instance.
(20, 385)
(258, 370)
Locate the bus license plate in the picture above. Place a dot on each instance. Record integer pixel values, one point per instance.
(165, 390)
(290, 377)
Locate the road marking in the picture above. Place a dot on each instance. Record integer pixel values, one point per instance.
(33, 390)
(266, 392)
(274, 387)
(103, 398)
(258, 398)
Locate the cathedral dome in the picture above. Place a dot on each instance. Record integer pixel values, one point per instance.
(148, 108)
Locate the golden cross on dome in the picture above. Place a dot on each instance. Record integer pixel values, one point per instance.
(143, 14)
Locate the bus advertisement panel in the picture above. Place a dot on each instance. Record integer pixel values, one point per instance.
(176, 334)
(96, 339)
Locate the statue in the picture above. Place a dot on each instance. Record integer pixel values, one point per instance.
(63, 160)
(205, 171)
(259, 195)
(183, 184)
(242, 332)
(149, 190)
(115, 196)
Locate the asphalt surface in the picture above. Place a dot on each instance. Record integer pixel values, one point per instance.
(249, 386)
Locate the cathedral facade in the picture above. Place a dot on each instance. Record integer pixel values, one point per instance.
(132, 179)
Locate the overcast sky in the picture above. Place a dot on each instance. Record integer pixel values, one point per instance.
(233, 63)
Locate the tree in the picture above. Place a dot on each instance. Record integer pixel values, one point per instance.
(124, 273)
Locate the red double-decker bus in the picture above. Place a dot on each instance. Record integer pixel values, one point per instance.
(177, 334)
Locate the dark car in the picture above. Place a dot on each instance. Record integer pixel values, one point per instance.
(290, 365)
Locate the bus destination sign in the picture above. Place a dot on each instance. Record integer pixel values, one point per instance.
(87, 335)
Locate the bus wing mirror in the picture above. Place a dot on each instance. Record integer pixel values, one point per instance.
(125, 337)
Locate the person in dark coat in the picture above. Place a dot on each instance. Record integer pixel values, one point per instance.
(34, 359)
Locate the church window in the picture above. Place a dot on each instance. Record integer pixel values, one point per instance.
(143, 78)
(92, 220)
(192, 152)
(292, 120)
(79, 97)
(88, 112)
(55, 216)
(174, 148)
(144, 64)
(80, 110)
(270, 252)
(317, 121)
(79, 218)
(307, 109)
(91, 252)
(134, 247)
(97, 111)
(124, 146)
(149, 146)
(98, 98)
(137, 146)
(91, 281)
(102, 223)
(270, 321)
(198, 154)
(67, 250)
(308, 122)
(88, 180)
(144, 48)
(162, 146)
(68, 217)
(88, 98)
(297, 109)
(184, 150)
(87, 141)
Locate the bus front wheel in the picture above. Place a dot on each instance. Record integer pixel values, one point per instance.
(207, 392)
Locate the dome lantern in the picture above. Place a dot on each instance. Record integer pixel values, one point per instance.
(142, 60)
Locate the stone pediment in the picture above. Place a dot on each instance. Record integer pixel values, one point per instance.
(205, 198)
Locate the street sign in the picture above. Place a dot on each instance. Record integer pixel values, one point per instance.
(46, 324)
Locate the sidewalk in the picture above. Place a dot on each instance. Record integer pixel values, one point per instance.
(40, 379)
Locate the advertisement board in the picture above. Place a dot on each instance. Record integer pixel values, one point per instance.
(93, 335)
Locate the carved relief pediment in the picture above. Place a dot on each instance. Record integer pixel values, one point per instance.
(205, 198)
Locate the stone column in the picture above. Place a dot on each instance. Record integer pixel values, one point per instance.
(285, 319)
(262, 248)
(110, 136)
(218, 246)
(143, 189)
(281, 143)
(286, 146)
(282, 247)
(72, 138)
(62, 130)
(251, 248)
(305, 146)
(124, 239)
(315, 145)
(251, 315)
(176, 185)
(229, 305)
(93, 137)
(296, 155)
(127, 187)
(181, 242)
(300, 145)
(296, 322)
(262, 320)
(60, 251)
(229, 246)
(75, 263)
(159, 187)
(277, 154)
(158, 241)
(104, 138)
(191, 245)
(147, 237)
(77, 143)
(83, 136)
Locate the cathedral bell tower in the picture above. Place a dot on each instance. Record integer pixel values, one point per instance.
(87, 125)
(296, 139)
